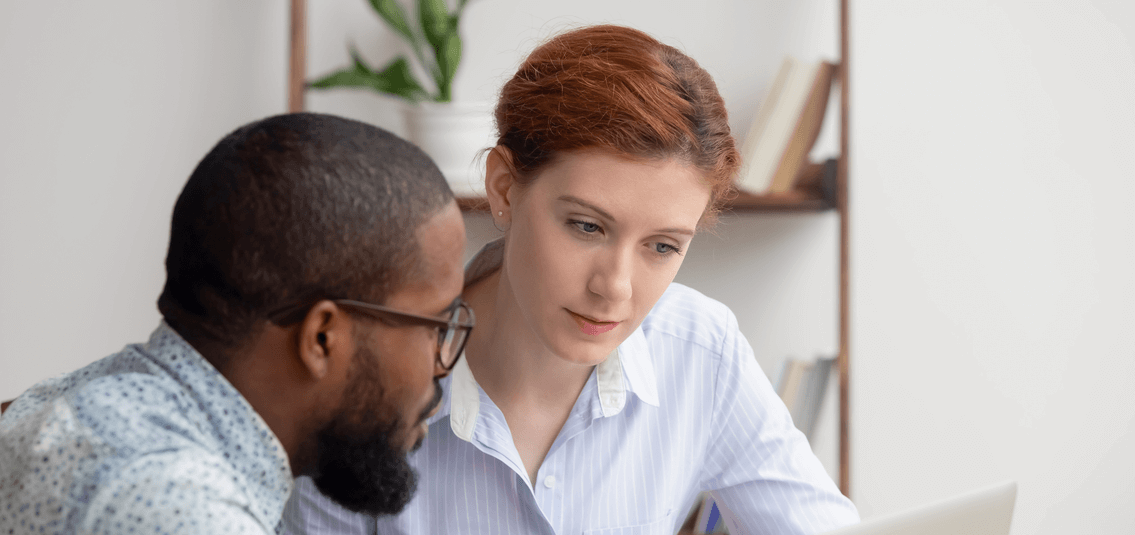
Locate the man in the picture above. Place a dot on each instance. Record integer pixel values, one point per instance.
(311, 305)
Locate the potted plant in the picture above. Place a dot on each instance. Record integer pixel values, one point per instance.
(451, 133)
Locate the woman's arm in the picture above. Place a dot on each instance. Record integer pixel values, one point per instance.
(759, 467)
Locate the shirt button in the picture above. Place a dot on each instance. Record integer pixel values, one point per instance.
(550, 482)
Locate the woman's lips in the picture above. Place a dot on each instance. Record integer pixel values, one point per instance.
(592, 327)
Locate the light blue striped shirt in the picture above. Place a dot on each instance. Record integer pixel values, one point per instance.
(679, 408)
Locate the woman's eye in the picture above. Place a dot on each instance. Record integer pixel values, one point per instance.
(586, 227)
(665, 248)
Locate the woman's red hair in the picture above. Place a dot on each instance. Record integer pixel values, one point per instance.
(616, 88)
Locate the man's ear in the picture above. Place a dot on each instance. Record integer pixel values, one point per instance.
(500, 179)
(326, 340)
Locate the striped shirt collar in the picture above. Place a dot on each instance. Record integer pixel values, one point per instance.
(627, 369)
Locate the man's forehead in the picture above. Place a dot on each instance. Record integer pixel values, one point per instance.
(441, 239)
(439, 275)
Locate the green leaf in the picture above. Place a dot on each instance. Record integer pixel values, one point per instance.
(360, 64)
(393, 14)
(394, 79)
(343, 78)
(434, 15)
(448, 58)
(397, 79)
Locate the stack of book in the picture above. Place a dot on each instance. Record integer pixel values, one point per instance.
(801, 385)
(774, 156)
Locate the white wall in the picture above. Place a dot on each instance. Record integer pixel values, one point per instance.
(992, 330)
(994, 301)
(105, 108)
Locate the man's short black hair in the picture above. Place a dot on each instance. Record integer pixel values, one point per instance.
(293, 208)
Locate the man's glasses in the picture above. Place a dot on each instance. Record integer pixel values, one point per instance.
(452, 333)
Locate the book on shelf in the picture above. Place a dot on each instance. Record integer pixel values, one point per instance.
(792, 374)
(802, 385)
(786, 126)
(820, 180)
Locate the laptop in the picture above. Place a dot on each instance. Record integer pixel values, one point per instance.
(986, 511)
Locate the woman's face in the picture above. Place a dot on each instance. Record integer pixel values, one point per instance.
(594, 241)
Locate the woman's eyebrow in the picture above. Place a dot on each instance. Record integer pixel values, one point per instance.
(585, 204)
(676, 230)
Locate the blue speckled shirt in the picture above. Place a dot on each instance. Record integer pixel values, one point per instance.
(149, 440)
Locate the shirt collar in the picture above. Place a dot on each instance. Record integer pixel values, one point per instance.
(628, 368)
(246, 441)
(464, 401)
(633, 356)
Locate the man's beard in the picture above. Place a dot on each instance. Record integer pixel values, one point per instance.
(366, 475)
(359, 465)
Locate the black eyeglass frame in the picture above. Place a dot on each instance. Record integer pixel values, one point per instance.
(446, 330)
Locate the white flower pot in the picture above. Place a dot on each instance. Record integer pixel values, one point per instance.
(453, 134)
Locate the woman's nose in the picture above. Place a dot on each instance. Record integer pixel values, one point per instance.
(612, 275)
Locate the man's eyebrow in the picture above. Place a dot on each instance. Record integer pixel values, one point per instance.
(585, 204)
(448, 310)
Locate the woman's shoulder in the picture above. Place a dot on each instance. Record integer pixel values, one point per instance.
(685, 313)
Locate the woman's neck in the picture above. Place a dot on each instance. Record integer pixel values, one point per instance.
(508, 359)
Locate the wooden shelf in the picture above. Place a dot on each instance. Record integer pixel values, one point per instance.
(473, 204)
(792, 201)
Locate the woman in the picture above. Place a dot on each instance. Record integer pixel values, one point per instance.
(597, 396)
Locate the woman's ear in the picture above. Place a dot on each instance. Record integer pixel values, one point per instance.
(500, 179)
(325, 341)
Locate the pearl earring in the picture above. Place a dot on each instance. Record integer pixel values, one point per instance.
(500, 212)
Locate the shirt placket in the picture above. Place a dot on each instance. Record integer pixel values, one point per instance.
(551, 485)
(494, 430)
